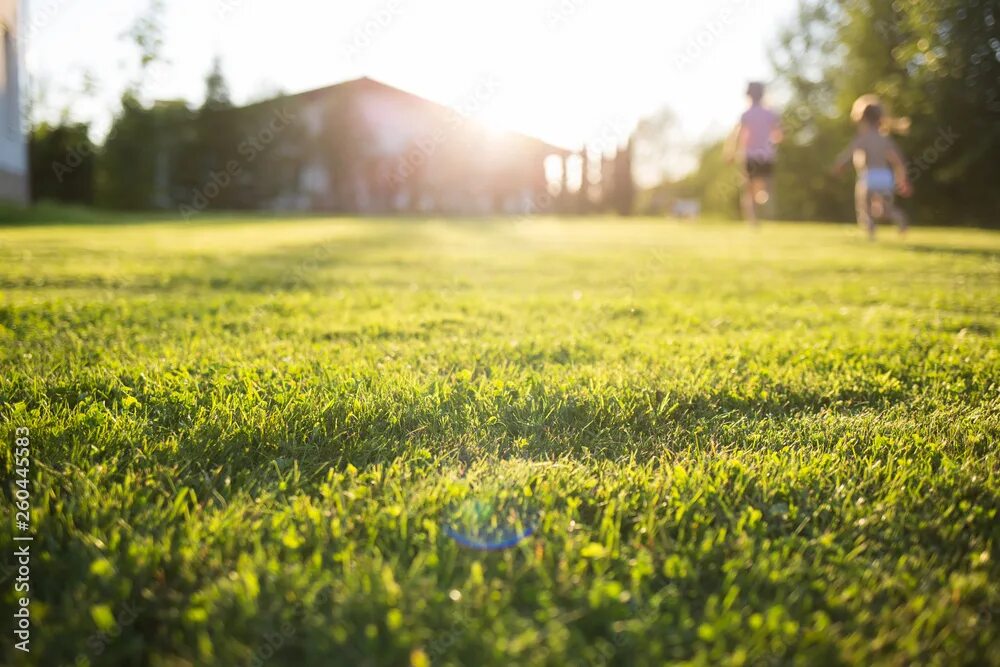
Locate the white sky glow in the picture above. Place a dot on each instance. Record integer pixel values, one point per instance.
(571, 72)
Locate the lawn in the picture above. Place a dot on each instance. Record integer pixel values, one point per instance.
(288, 441)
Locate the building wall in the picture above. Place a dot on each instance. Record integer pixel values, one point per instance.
(358, 147)
(13, 145)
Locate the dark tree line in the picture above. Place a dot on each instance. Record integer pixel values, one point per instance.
(165, 155)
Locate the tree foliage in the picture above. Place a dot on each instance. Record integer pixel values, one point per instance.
(62, 163)
(937, 63)
(126, 165)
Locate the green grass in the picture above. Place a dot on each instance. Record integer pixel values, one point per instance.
(249, 438)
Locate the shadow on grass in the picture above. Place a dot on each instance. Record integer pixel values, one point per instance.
(287, 268)
(50, 215)
(46, 214)
(254, 448)
(975, 253)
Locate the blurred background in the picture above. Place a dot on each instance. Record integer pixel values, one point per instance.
(523, 107)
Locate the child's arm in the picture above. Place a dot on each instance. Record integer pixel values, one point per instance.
(778, 133)
(844, 157)
(898, 162)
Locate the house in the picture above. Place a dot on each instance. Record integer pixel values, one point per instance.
(13, 145)
(359, 147)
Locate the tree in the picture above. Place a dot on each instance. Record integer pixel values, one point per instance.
(654, 147)
(938, 62)
(147, 36)
(952, 61)
(127, 167)
(715, 183)
(216, 88)
(623, 182)
(218, 134)
(62, 163)
(814, 124)
(584, 203)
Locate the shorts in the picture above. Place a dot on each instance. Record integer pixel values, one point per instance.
(759, 168)
(880, 181)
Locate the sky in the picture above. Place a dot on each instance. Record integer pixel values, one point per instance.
(571, 72)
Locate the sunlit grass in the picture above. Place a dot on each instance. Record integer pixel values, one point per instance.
(251, 436)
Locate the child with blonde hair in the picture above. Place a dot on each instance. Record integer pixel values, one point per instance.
(880, 167)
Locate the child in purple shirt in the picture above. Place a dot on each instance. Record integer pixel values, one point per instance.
(755, 139)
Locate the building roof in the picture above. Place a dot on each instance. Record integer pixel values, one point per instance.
(366, 83)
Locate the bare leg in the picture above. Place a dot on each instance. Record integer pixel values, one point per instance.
(862, 205)
(897, 215)
(877, 205)
(747, 202)
(765, 196)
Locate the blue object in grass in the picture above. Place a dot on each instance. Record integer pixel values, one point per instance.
(508, 543)
(494, 524)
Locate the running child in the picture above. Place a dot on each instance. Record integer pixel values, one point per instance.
(880, 166)
(755, 140)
